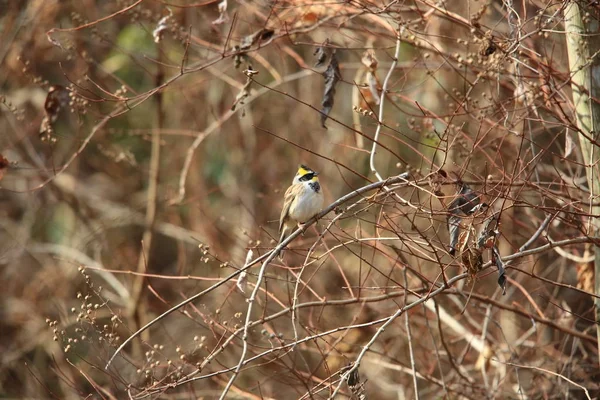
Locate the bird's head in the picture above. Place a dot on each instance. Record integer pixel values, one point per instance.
(305, 174)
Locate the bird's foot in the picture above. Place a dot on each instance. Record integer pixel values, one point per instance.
(302, 227)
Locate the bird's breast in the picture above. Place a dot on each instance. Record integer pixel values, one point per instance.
(306, 205)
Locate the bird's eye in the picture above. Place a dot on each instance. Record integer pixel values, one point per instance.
(307, 177)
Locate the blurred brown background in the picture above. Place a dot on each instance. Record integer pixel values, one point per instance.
(142, 164)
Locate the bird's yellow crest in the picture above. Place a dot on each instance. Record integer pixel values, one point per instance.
(303, 170)
(307, 174)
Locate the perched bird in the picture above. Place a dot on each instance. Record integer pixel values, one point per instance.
(467, 202)
(302, 201)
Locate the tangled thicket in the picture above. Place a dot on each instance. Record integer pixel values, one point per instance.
(146, 147)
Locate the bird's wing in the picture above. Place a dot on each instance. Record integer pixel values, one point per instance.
(288, 199)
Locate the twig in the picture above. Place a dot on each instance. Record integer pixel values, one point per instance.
(269, 256)
(386, 324)
(587, 393)
(409, 341)
(218, 123)
(381, 104)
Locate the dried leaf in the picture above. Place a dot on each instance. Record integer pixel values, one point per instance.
(369, 60)
(569, 144)
(322, 52)
(4, 164)
(454, 231)
(332, 75)
(496, 259)
(373, 87)
(242, 281)
(370, 97)
(245, 92)
(467, 202)
(356, 386)
(488, 234)
(261, 35)
(470, 254)
(162, 26)
(585, 276)
(223, 15)
(57, 98)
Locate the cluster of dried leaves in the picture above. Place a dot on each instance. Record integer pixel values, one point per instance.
(467, 96)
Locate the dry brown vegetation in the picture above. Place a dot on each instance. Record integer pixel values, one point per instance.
(145, 149)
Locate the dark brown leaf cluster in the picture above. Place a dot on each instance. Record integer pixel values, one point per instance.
(332, 76)
(260, 36)
(56, 100)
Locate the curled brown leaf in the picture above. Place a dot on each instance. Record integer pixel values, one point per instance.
(3, 166)
(259, 36)
(332, 75)
(57, 98)
(322, 52)
(245, 92)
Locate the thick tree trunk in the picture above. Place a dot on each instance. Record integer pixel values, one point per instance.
(583, 46)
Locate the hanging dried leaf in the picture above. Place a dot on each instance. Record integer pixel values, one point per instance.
(369, 60)
(488, 234)
(372, 95)
(472, 260)
(4, 164)
(585, 276)
(497, 260)
(470, 253)
(487, 240)
(261, 35)
(467, 202)
(454, 231)
(487, 47)
(322, 52)
(332, 75)
(57, 98)
(356, 386)
(354, 383)
(242, 281)
(569, 144)
(223, 15)
(245, 92)
(162, 26)
(374, 87)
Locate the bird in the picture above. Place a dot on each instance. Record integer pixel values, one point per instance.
(467, 202)
(302, 201)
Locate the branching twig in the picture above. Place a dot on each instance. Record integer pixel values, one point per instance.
(267, 257)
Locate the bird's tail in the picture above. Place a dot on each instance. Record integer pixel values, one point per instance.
(284, 235)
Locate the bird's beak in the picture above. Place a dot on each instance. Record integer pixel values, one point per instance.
(316, 173)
